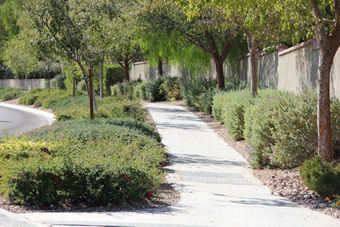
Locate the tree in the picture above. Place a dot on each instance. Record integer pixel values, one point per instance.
(258, 19)
(324, 18)
(64, 27)
(209, 30)
(124, 33)
(9, 18)
(19, 58)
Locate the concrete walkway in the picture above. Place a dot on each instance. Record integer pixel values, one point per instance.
(216, 186)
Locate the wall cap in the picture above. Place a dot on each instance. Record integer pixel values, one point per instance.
(311, 41)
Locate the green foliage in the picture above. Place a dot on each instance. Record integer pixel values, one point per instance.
(10, 93)
(92, 173)
(112, 75)
(323, 178)
(193, 90)
(81, 86)
(153, 92)
(171, 89)
(142, 90)
(58, 82)
(229, 107)
(281, 130)
(109, 107)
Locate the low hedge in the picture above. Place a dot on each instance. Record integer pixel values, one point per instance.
(63, 171)
(281, 131)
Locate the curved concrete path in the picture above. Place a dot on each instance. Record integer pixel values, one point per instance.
(216, 186)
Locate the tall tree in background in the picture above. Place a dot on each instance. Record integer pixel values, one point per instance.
(324, 17)
(209, 31)
(64, 27)
(19, 58)
(258, 19)
(125, 37)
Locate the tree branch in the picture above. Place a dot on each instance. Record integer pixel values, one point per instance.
(199, 44)
(316, 9)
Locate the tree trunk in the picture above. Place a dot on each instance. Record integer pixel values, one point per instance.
(160, 67)
(48, 79)
(219, 73)
(254, 76)
(91, 93)
(73, 85)
(126, 68)
(84, 75)
(26, 82)
(324, 113)
(102, 77)
(252, 47)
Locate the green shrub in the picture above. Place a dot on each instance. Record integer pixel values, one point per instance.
(142, 90)
(281, 131)
(323, 178)
(152, 90)
(171, 89)
(81, 86)
(10, 93)
(117, 89)
(193, 90)
(97, 172)
(113, 74)
(57, 83)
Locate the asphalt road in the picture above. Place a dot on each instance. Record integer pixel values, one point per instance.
(16, 121)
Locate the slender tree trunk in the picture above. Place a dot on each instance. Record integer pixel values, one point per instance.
(84, 75)
(126, 68)
(102, 77)
(91, 92)
(254, 76)
(252, 47)
(26, 82)
(160, 67)
(324, 113)
(219, 73)
(73, 84)
(48, 79)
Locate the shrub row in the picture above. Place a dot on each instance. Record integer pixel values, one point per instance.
(154, 90)
(280, 128)
(64, 171)
(112, 159)
(199, 93)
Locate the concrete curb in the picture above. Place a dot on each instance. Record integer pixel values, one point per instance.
(13, 220)
(48, 116)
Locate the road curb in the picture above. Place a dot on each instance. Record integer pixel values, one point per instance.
(8, 219)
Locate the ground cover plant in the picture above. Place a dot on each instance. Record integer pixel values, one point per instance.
(10, 93)
(110, 160)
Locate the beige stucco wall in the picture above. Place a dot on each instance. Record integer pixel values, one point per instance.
(290, 69)
(20, 83)
(297, 68)
(144, 71)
